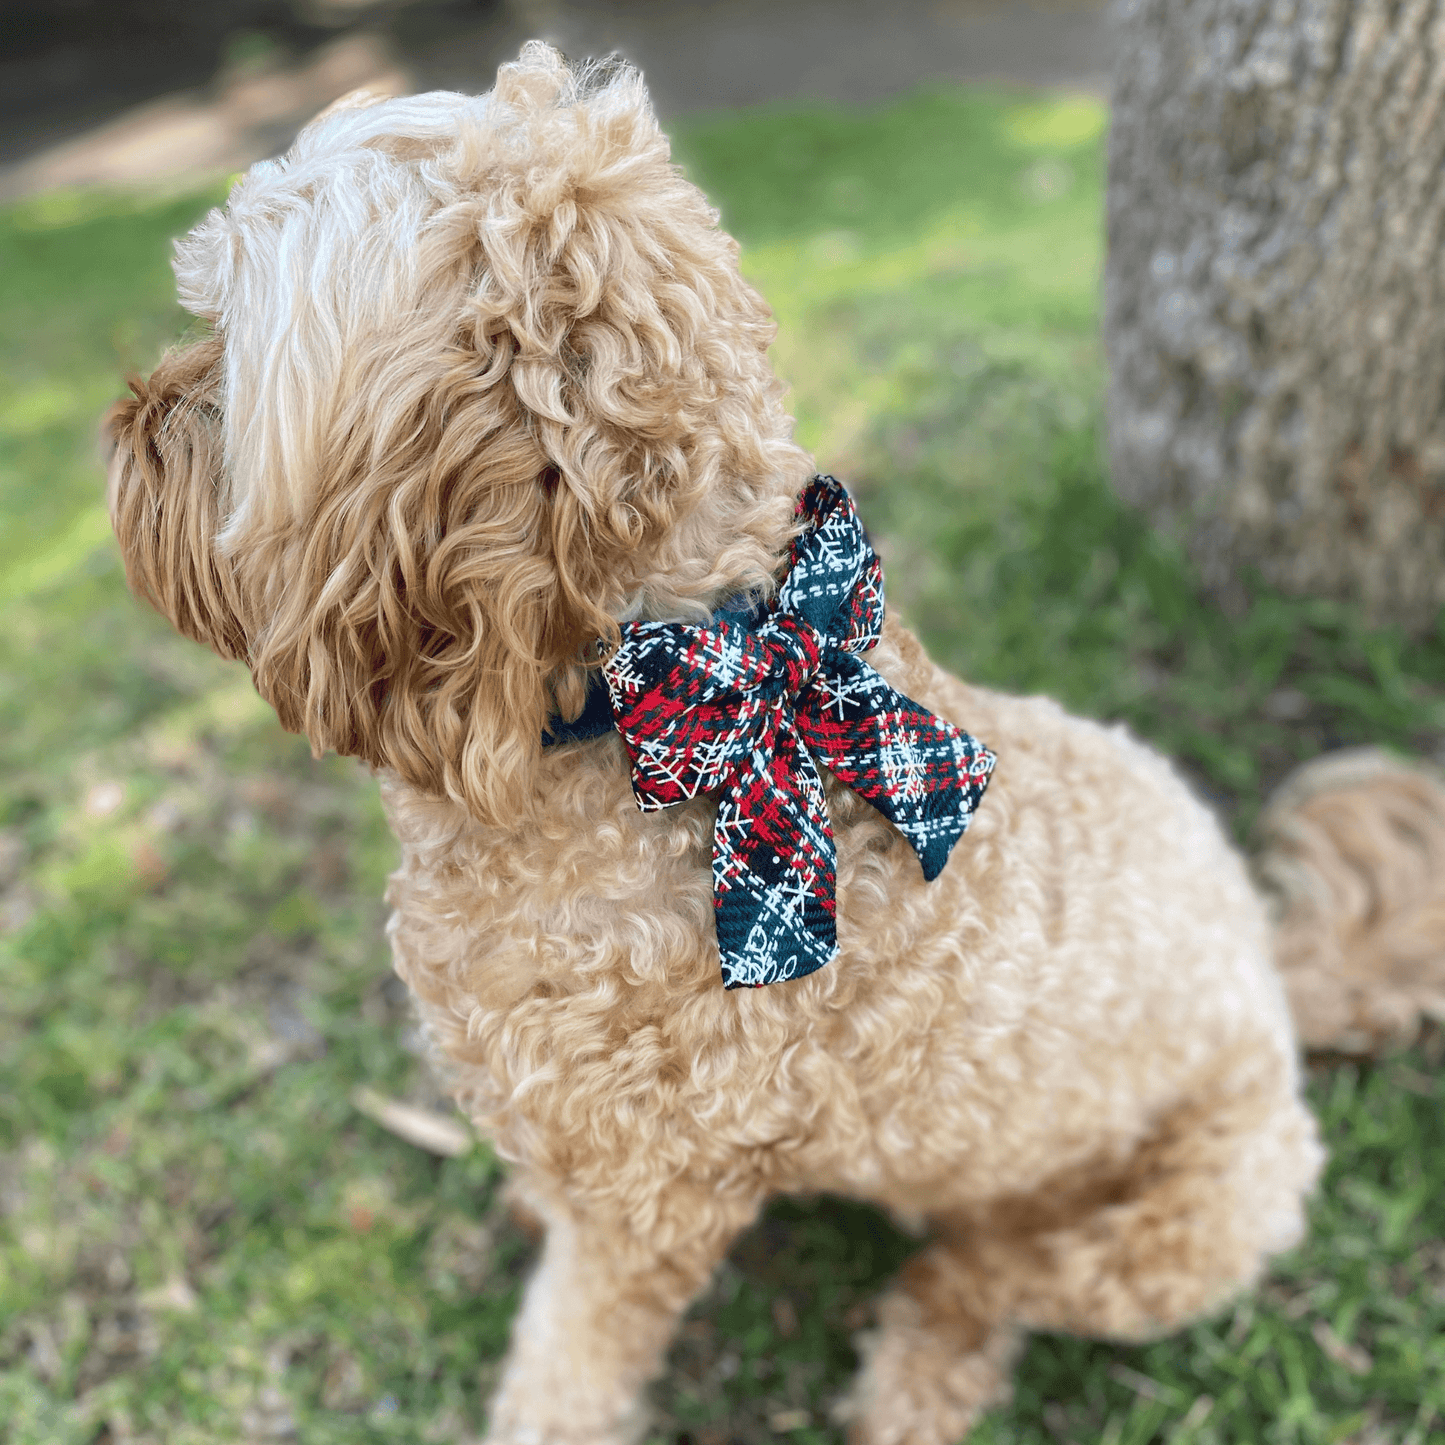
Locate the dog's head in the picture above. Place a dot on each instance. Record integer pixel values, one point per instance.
(483, 380)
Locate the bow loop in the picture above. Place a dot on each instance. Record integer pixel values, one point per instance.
(835, 580)
(746, 708)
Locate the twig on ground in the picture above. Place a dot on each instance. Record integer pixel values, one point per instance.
(435, 1133)
(1143, 1385)
(1356, 1360)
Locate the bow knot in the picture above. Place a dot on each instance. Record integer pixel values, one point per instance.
(796, 650)
(747, 707)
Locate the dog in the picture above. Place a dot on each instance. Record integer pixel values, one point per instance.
(483, 389)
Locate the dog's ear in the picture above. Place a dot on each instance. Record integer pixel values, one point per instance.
(164, 494)
(416, 619)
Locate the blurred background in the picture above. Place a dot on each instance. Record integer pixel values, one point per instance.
(209, 1229)
(98, 92)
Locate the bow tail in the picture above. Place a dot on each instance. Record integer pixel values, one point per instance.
(774, 868)
(924, 775)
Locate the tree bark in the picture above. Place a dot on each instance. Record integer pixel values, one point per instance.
(1274, 310)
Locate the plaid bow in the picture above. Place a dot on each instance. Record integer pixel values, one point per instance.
(746, 707)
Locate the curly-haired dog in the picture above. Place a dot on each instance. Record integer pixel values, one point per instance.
(484, 382)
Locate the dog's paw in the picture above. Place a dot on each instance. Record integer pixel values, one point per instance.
(517, 1432)
(551, 1418)
(552, 1435)
(918, 1387)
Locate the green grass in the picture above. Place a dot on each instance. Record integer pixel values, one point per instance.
(200, 1239)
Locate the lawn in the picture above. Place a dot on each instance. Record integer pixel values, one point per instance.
(202, 1240)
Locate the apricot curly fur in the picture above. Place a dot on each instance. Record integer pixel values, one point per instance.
(484, 381)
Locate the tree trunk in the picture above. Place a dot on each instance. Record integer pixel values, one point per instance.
(1274, 308)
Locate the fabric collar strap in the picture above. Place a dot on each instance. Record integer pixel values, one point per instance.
(746, 702)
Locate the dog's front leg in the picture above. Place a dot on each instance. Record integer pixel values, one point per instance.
(601, 1308)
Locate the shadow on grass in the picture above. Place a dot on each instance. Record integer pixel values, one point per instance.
(770, 1346)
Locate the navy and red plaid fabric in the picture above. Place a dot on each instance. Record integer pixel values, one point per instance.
(746, 707)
